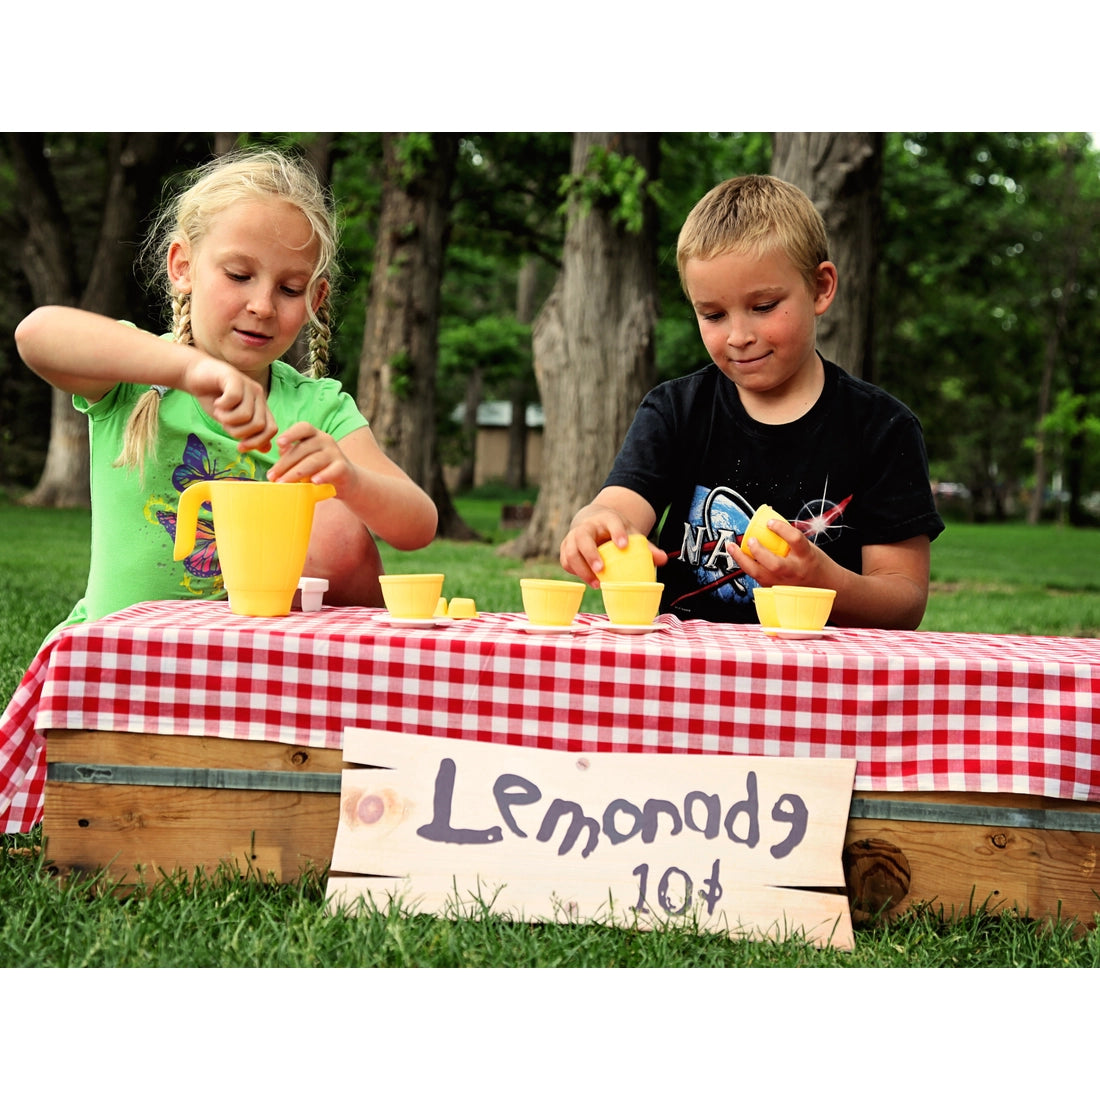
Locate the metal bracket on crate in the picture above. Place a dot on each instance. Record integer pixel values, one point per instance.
(214, 778)
(946, 813)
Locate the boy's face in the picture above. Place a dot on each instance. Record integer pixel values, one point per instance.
(757, 316)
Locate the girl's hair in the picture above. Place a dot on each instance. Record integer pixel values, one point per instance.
(240, 176)
(753, 214)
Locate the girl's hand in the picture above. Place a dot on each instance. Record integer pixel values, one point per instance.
(308, 454)
(235, 400)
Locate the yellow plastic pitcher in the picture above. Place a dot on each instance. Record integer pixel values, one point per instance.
(262, 530)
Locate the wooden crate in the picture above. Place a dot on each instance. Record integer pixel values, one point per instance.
(141, 805)
(146, 803)
(961, 851)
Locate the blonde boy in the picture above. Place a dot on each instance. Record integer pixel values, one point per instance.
(767, 421)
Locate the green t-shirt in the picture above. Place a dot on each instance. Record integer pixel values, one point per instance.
(134, 518)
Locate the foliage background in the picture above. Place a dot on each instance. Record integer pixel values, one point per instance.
(986, 323)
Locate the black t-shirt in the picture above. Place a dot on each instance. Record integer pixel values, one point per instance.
(852, 472)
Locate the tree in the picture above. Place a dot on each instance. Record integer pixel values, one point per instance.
(593, 337)
(132, 166)
(397, 368)
(507, 235)
(842, 173)
(981, 235)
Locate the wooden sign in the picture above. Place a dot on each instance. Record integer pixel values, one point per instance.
(452, 827)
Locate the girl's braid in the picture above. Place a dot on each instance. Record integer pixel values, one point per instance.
(181, 319)
(320, 333)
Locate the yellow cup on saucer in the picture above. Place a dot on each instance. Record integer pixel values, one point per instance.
(631, 603)
(635, 563)
(550, 602)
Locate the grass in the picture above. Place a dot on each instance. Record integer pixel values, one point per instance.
(985, 579)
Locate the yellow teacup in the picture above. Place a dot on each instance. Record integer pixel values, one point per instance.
(799, 608)
(635, 563)
(764, 599)
(758, 529)
(632, 603)
(550, 602)
(411, 595)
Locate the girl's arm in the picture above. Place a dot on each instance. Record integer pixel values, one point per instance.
(384, 498)
(87, 354)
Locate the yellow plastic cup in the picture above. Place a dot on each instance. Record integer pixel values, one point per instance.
(632, 603)
(411, 595)
(550, 602)
(262, 530)
(799, 608)
(635, 563)
(764, 599)
(462, 608)
(758, 529)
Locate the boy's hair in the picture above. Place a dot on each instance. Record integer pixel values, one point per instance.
(240, 176)
(752, 214)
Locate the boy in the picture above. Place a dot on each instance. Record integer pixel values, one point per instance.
(768, 421)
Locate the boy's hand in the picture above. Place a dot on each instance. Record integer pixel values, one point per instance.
(799, 566)
(591, 528)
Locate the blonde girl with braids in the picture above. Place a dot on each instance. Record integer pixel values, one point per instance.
(247, 255)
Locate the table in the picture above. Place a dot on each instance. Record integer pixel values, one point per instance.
(921, 712)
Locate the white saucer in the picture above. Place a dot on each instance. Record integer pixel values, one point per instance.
(391, 620)
(538, 628)
(632, 628)
(787, 632)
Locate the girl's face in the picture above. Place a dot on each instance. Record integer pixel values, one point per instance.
(758, 319)
(248, 278)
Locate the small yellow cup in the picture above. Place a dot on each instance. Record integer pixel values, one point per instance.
(798, 608)
(411, 595)
(758, 529)
(462, 608)
(764, 599)
(635, 563)
(632, 603)
(550, 602)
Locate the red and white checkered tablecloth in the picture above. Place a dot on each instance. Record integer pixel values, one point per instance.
(917, 710)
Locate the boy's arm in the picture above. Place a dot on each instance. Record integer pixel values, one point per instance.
(891, 592)
(614, 514)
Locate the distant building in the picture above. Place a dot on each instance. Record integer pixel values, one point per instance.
(494, 418)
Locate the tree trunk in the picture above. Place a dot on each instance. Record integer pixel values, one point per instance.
(136, 165)
(467, 470)
(1067, 244)
(397, 368)
(521, 385)
(842, 174)
(592, 343)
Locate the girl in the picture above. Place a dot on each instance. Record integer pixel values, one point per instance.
(247, 254)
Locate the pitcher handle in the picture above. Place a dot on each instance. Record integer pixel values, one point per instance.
(187, 517)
